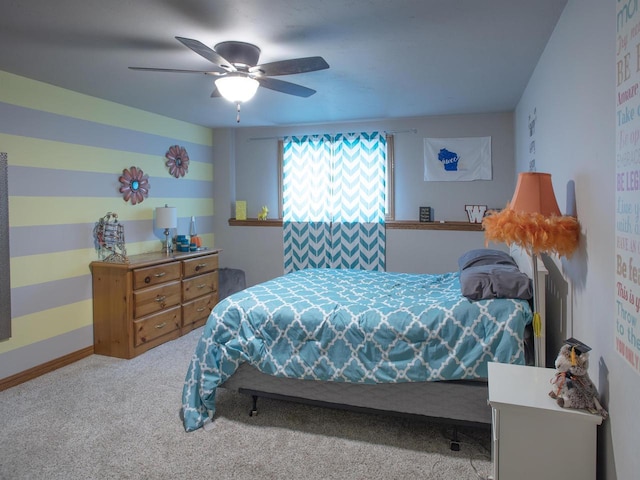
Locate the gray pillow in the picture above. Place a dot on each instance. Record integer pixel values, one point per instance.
(485, 256)
(482, 282)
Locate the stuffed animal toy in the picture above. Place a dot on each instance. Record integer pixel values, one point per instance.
(572, 387)
(263, 213)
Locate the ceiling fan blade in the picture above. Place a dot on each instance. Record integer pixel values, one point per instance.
(290, 67)
(285, 87)
(208, 53)
(172, 70)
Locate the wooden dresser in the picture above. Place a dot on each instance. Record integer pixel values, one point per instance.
(150, 300)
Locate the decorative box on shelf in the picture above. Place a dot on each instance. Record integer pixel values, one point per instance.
(425, 214)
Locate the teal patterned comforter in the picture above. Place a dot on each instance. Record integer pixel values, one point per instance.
(352, 326)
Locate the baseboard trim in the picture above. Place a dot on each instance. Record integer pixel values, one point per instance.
(47, 367)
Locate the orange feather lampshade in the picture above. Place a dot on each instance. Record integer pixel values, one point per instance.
(533, 220)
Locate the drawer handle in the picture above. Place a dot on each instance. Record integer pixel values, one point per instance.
(201, 309)
(200, 265)
(161, 325)
(202, 285)
(161, 298)
(147, 279)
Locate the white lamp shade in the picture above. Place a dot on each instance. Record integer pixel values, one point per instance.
(237, 88)
(166, 217)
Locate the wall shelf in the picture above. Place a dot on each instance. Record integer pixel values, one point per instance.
(391, 224)
(446, 225)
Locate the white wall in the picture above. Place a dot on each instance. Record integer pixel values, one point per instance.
(573, 92)
(247, 158)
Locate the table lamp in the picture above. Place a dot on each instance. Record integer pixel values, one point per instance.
(532, 220)
(167, 218)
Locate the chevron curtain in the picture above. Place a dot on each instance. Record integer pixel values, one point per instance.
(334, 201)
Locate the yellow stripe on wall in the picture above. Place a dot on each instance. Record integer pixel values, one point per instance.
(33, 152)
(28, 270)
(208, 240)
(29, 211)
(47, 324)
(143, 247)
(156, 246)
(29, 93)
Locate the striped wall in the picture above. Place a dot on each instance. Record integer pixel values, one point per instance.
(65, 153)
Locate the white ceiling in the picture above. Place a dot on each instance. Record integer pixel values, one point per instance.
(387, 59)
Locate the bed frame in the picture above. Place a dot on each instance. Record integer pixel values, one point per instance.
(459, 402)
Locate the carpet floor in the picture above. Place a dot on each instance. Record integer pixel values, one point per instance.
(106, 418)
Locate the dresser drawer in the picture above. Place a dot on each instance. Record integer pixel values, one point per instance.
(199, 265)
(200, 285)
(155, 299)
(154, 326)
(146, 277)
(198, 309)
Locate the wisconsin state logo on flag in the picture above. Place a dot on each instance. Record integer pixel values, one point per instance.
(457, 159)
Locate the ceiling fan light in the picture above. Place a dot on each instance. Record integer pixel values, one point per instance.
(237, 88)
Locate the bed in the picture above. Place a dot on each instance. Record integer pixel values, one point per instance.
(407, 344)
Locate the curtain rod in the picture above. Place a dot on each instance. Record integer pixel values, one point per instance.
(389, 132)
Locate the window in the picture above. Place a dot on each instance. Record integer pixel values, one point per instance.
(334, 201)
(389, 208)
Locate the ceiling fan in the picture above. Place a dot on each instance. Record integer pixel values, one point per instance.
(235, 64)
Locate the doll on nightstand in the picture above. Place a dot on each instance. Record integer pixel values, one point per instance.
(572, 386)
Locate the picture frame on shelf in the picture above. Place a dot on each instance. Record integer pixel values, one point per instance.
(425, 214)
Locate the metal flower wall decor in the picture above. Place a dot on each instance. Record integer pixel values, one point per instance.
(177, 161)
(135, 185)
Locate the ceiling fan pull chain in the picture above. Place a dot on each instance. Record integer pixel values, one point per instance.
(238, 113)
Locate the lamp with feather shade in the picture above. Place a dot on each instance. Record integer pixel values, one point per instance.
(532, 220)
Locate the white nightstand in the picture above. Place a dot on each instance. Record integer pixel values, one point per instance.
(533, 437)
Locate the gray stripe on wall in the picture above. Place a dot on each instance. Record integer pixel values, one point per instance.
(21, 359)
(50, 238)
(203, 225)
(47, 182)
(27, 122)
(43, 296)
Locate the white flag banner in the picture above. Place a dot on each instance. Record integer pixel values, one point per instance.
(457, 159)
